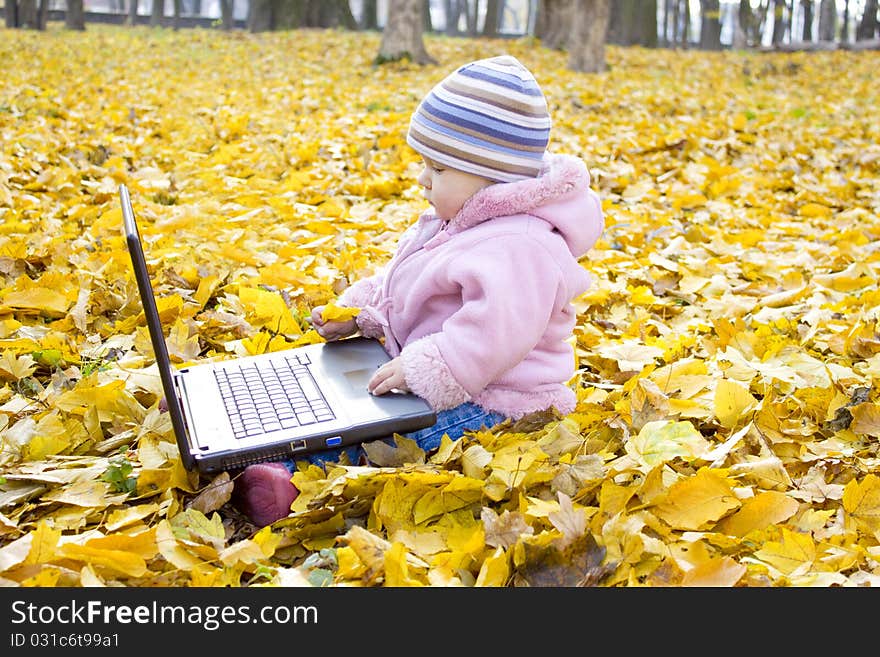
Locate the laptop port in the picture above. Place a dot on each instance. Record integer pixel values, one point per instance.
(335, 441)
(297, 445)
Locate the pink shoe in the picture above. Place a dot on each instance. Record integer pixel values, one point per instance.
(265, 492)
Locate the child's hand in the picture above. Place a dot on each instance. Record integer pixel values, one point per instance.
(332, 330)
(387, 378)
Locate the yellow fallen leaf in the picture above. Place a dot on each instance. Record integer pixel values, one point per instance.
(697, 501)
(119, 561)
(732, 403)
(861, 499)
(334, 313)
(495, 570)
(866, 419)
(397, 569)
(44, 544)
(794, 554)
(715, 572)
(763, 510)
(664, 440)
(49, 302)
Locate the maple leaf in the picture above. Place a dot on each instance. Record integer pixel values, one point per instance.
(504, 530)
(213, 496)
(568, 520)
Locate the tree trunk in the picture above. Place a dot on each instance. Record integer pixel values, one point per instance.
(648, 24)
(676, 18)
(493, 15)
(178, 8)
(868, 25)
(338, 14)
(157, 13)
(740, 38)
(227, 18)
(667, 18)
(260, 16)
(11, 10)
(31, 14)
(132, 12)
(369, 15)
(778, 22)
(588, 34)
(75, 18)
(27, 14)
(621, 22)
(452, 9)
(710, 25)
(532, 17)
(402, 35)
(540, 28)
(807, 32)
(686, 26)
(428, 26)
(470, 12)
(827, 20)
(557, 23)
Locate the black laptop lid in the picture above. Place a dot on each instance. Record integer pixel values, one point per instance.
(154, 325)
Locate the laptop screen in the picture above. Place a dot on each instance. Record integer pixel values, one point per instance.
(157, 335)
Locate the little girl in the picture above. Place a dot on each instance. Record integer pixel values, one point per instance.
(475, 306)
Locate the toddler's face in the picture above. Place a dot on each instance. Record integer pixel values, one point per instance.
(447, 189)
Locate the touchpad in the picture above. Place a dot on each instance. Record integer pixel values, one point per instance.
(358, 379)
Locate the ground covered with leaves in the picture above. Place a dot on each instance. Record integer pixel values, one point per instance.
(727, 425)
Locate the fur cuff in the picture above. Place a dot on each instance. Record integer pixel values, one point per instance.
(428, 375)
(359, 294)
(368, 326)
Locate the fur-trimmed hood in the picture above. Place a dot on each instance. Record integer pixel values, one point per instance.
(557, 196)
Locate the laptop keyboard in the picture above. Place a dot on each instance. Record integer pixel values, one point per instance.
(271, 396)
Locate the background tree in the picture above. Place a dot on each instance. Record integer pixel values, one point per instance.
(28, 14)
(428, 25)
(633, 22)
(554, 23)
(807, 9)
(494, 11)
(402, 34)
(369, 15)
(867, 28)
(227, 18)
(132, 12)
(157, 13)
(827, 20)
(588, 34)
(11, 11)
(778, 35)
(452, 12)
(75, 18)
(710, 24)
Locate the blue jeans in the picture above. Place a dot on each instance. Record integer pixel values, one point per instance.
(452, 422)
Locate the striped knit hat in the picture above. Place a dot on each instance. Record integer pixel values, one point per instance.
(488, 118)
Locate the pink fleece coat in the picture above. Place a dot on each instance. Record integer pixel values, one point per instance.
(480, 309)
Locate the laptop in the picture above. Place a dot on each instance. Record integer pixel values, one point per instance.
(285, 404)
